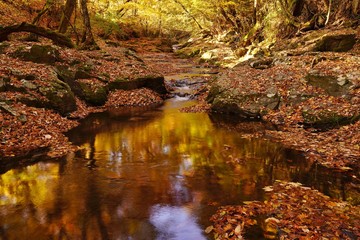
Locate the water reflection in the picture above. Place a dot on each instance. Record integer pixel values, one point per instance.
(177, 223)
(144, 174)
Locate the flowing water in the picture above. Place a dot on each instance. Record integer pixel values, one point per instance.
(148, 173)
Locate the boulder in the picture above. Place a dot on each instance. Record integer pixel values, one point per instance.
(3, 46)
(38, 54)
(336, 43)
(333, 85)
(244, 99)
(59, 97)
(153, 82)
(327, 118)
(3, 82)
(94, 92)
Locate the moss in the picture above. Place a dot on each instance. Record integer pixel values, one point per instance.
(3, 47)
(3, 82)
(329, 83)
(59, 96)
(95, 95)
(38, 54)
(327, 119)
(336, 43)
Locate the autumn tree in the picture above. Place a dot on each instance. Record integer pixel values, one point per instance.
(87, 40)
(66, 15)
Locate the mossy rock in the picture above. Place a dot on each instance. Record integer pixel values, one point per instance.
(59, 96)
(327, 119)
(31, 101)
(67, 75)
(94, 94)
(81, 74)
(336, 43)
(4, 81)
(248, 106)
(29, 85)
(39, 54)
(334, 86)
(3, 47)
(8, 108)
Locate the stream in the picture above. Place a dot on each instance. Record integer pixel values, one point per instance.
(150, 173)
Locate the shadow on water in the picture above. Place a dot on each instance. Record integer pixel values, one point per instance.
(152, 173)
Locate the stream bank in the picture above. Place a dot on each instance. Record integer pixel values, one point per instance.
(306, 86)
(308, 89)
(45, 89)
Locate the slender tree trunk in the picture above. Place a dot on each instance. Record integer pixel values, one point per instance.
(298, 7)
(121, 10)
(36, 20)
(227, 18)
(88, 41)
(328, 13)
(255, 10)
(355, 6)
(187, 11)
(45, 9)
(65, 18)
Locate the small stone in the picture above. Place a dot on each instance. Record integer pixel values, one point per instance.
(22, 118)
(47, 136)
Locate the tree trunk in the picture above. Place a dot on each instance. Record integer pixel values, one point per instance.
(65, 18)
(227, 18)
(298, 7)
(255, 11)
(184, 8)
(58, 38)
(87, 40)
(328, 13)
(33, 37)
(354, 7)
(122, 10)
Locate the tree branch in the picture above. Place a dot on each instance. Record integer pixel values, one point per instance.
(57, 38)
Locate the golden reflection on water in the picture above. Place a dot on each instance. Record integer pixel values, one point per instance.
(141, 174)
(30, 184)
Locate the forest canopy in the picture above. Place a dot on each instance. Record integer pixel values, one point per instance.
(239, 21)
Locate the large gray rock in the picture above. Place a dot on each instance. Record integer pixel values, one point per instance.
(94, 92)
(59, 97)
(39, 54)
(333, 85)
(327, 118)
(336, 43)
(247, 101)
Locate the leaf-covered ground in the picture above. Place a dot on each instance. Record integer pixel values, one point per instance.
(333, 146)
(25, 128)
(290, 211)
